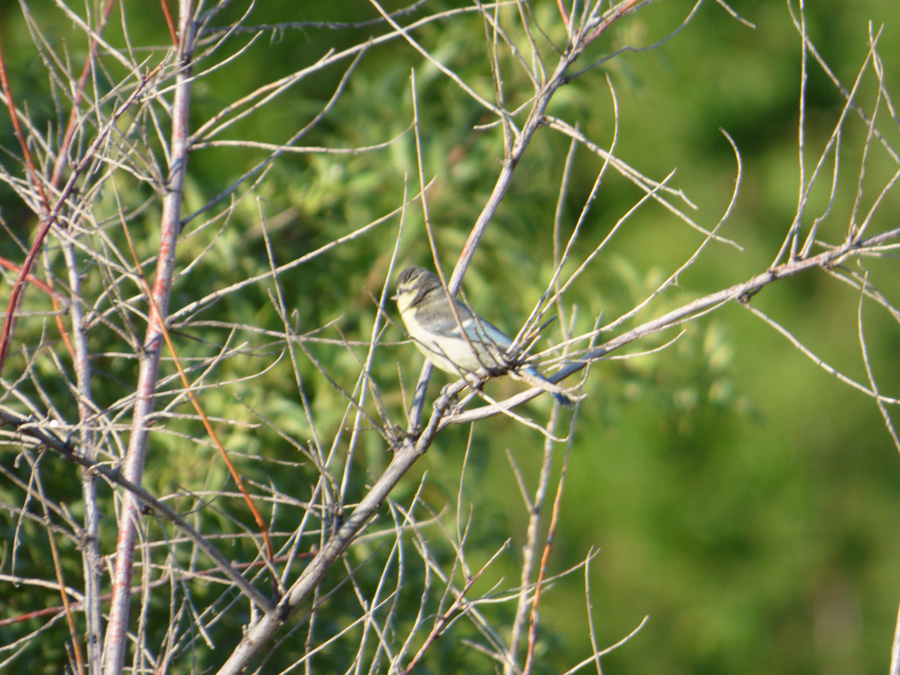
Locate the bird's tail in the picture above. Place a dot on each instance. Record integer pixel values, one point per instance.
(558, 392)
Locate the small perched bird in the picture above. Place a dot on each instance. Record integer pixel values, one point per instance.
(426, 310)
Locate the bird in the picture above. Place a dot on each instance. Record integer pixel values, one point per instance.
(460, 342)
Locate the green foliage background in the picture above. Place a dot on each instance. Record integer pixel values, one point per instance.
(743, 499)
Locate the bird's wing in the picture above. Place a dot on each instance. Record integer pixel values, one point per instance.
(480, 330)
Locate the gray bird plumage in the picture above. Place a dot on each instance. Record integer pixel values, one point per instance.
(457, 343)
